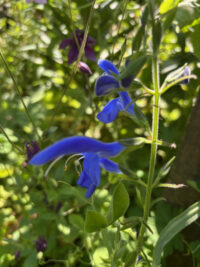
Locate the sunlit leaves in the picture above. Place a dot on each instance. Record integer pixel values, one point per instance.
(181, 221)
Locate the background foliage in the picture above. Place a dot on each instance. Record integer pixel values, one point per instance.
(55, 208)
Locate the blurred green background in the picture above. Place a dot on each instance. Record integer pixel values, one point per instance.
(54, 208)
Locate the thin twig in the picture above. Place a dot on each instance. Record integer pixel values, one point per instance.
(13, 145)
(18, 92)
(75, 67)
(119, 25)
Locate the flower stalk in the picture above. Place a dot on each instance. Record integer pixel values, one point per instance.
(155, 127)
(75, 67)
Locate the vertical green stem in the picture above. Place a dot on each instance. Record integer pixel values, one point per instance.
(155, 126)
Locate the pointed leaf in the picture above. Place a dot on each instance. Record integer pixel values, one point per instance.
(168, 18)
(137, 40)
(120, 203)
(94, 221)
(157, 35)
(166, 5)
(133, 67)
(177, 224)
(163, 171)
(135, 141)
(140, 118)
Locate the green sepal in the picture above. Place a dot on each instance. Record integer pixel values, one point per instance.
(133, 67)
(163, 172)
(135, 141)
(140, 118)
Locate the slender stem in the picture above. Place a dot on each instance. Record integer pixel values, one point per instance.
(73, 31)
(18, 92)
(155, 126)
(164, 88)
(75, 66)
(7, 137)
(119, 25)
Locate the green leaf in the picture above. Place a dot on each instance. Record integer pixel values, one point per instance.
(137, 40)
(77, 221)
(31, 260)
(130, 222)
(163, 171)
(166, 5)
(145, 16)
(119, 204)
(192, 25)
(177, 224)
(195, 41)
(94, 221)
(133, 67)
(140, 118)
(168, 18)
(157, 35)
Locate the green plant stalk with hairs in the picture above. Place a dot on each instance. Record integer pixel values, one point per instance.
(153, 155)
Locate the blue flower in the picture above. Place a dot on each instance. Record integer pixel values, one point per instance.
(186, 72)
(106, 84)
(95, 154)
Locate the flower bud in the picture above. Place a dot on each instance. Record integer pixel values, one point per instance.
(83, 67)
(41, 244)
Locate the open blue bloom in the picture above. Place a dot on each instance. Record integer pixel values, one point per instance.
(95, 154)
(105, 84)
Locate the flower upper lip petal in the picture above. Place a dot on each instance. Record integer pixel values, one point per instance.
(108, 66)
(74, 145)
(105, 84)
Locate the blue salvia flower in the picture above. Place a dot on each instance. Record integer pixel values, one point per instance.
(96, 154)
(107, 83)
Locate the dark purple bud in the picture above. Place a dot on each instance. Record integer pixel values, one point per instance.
(17, 254)
(74, 50)
(186, 72)
(83, 67)
(41, 244)
(32, 148)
